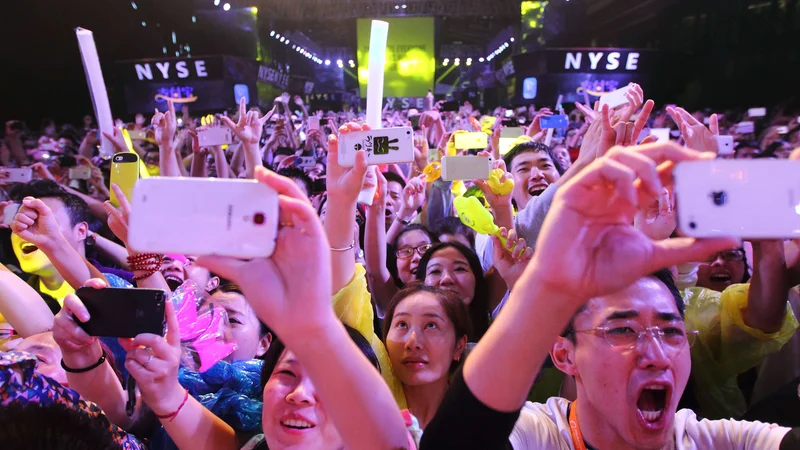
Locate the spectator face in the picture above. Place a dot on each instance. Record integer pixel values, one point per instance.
(34, 261)
(422, 342)
(245, 327)
(394, 199)
(746, 152)
(630, 391)
(448, 269)
(179, 268)
(151, 158)
(562, 154)
(293, 416)
(48, 354)
(533, 172)
(407, 264)
(721, 270)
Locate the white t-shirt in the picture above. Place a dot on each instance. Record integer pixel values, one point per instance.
(546, 426)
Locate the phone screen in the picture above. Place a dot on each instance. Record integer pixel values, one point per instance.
(124, 313)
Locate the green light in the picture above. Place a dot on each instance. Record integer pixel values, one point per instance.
(254, 10)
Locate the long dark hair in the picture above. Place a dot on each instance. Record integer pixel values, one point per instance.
(479, 307)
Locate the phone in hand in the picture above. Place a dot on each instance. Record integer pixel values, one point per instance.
(724, 145)
(23, 175)
(383, 146)
(756, 112)
(9, 212)
(466, 141)
(80, 173)
(556, 121)
(313, 123)
(465, 168)
(137, 134)
(414, 122)
(123, 313)
(616, 98)
(204, 216)
(745, 127)
(305, 162)
(661, 133)
(124, 173)
(214, 136)
(450, 106)
(508, 136)
(750, 199)
(509, 113)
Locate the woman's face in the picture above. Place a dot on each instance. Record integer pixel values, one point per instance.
(414, 242)
(422, 342)
(448, 269)
(245, 327)
(721, 270)
(293, 416)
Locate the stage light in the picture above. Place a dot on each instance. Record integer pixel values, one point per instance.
(226, 6)
(277, 36)
(272, 33)
(396, 6)
(456, 62)
(405, 6)
(469, 61)
(512, 39)
(481, 60)
(174, 38)
(327, 62)
(339, 62)
(194, 19)
(446, 62)
(351, 62)
(133, 5)
(144, 24)
(282, 39)
(216, 2)
(254, 10)
(164, 50)
(287, 42)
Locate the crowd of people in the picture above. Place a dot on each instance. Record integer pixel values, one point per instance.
(586, 321)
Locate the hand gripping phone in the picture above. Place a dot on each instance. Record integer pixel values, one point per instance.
(123, 313)
(383, 146)
(465, 168)
(468, 141)
(23, 175)
(752, 199)
(557, 121)
(204, 216)
(616, 98)
(124, 173)
(80, 173)
(214, 136)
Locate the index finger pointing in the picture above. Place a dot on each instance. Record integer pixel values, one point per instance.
(173, 331)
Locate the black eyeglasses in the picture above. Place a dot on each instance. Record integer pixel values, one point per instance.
(627, 334)
(405, 253)
(728, 255)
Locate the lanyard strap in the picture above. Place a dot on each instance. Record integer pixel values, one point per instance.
(574, 429)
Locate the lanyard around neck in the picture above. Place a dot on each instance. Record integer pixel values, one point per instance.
(574, 429)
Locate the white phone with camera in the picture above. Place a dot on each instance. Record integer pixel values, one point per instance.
(23, 175)
(616, 98)
(465, 168)
(203, 216)
(214, 136)
(757, 112)
(80, 173)
(383, 146)
(9, 212)
(751, 199)
(724, 145)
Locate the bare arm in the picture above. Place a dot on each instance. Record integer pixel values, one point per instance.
(199, 165)
(116, 252)
(221, 162)
(769, 287)
(380, 280)
(22, 306)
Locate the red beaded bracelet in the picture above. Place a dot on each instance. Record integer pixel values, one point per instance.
(173, 415)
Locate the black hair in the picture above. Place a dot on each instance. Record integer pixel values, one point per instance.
(479, 306)
(77, 209)
(393, 177)
(769, 152)
(229, 287)
(454, 225)
(276, 349)
(663, 275)
(298, 174)
(743, 143)
(56, 427)
(532, 147)
(283, 151)
(410, 228)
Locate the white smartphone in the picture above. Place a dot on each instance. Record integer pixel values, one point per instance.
(751, 199)
(467, 141)
(9, 212)
(782, 130)
(80, 173)
(507, 138)
(724, 145)
(137, 134)
(23, 175)
(383, 146)
(465, 168)
(745, 127)
(661, 133)
(616, 98)
(305, 162)
(313, 123)
(204, 216)
(214, 136)
(757, 112)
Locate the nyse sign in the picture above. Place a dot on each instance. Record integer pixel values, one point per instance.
(597, 60)
(166, 69)
(172, 70)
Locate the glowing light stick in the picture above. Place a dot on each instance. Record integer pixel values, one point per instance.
(97, 87)
(377, 62)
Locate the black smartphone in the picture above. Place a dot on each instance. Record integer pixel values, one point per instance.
(450, 106)
(123, 313)
(414, 122)
(320, 185)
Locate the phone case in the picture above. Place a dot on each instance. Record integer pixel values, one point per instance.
(724, 145)
(557, 121)
(214, 136)
(757, 112)
(467, 141)
(9, 212)
(384, 146)
(313, 123)
(465, 168)
(754, 199)
(123, 313)
(616, 98)
(204, 216)
(745, 127)
(24, 175)
(137, 134)
(304, 162)
(80, 173)
(124, 173)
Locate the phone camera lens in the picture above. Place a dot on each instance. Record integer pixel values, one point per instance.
(259, 218)
(692, 225)
(720, 198)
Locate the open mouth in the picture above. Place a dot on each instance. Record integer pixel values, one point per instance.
(720, 278)
(652, 403)
(536, 189)
(297, 424)
(28, 248)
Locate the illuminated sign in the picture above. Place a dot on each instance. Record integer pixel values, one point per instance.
(273, 77)
(609, 60)
(166, 69)
(176, 92)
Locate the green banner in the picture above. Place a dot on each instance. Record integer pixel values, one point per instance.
(410, 58)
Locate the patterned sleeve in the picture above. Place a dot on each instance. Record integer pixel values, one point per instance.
(21, 384)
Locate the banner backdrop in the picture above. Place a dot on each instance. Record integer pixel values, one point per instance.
(410, 56)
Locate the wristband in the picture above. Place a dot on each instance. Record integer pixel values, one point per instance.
(85, 369)
(344, 249)
(174, 414)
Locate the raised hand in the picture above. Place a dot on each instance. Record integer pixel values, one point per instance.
(536, 125)
(42, 171)
(413, 197)
(298, 300)
(421, 148)
(589, 247)
(66, 331)
(165, 125)
(495, 200)
(589, 114)
(118, 217)
(619, 132)
(36, 223)
(117, 140)
(345, 182)
(512, 259)
(695, 134)
(635, 97)
(250, 126)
